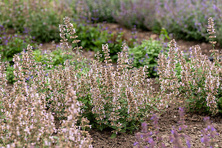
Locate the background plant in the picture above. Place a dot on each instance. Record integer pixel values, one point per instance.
(186, 20)
(14, 44)
(93, 36)
(39, 19)
(147, 54)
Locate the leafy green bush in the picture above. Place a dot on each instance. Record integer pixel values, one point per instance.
(92, 38)
(54, 58)
(45, 28)
(147, 54)
(13, 44)
(10, 74)
(40, 20)
(11, 15)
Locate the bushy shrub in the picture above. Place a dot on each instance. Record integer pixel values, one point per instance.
(92, 38)
(96, 89)
(50, 60)
(28, 123)
(13, 44)
(45, 28)
(125, 12)
(39, 19)
(147, 54)
(95, 10)
(140, 13)
(196, 81)
(186, 20)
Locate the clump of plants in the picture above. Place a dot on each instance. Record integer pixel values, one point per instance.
(14, 44)
(38, 18)
(31, 123)
(96, 88)
(197, 81)
(93, 89)
(28, 123)
(112, 95)
(147, 53)
(93, 36)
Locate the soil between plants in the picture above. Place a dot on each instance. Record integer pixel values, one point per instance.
(168, 119)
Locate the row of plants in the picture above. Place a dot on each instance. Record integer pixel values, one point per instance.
(140, 56)
(41, 19)
(182, 19)
(78, 94)
(92, 36)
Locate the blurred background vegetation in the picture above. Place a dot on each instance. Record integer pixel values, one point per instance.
(36, 21)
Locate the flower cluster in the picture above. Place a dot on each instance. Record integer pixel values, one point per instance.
(146, 138)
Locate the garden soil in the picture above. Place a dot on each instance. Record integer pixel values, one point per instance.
(169, 118)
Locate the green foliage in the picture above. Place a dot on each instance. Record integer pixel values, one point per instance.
(188, 33)
(55, 58)
(164, 35)
(147, 54)
(1, 113)
(156, 28)
(39, 20)
(10, 75)
(92, 38)
(44, 28)
(12, 18)
(220, 104)
(13, 44)
(128, 123)
(196, 101)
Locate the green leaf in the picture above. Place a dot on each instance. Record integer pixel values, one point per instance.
(113, 135)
